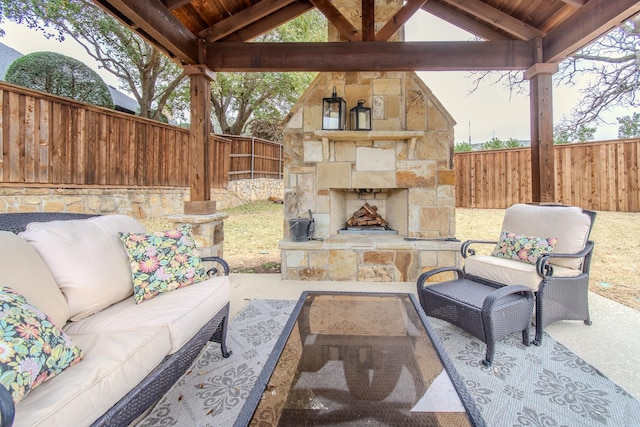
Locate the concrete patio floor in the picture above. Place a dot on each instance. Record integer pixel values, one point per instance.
(611, 344)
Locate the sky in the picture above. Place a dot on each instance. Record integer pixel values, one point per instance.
(489, 112)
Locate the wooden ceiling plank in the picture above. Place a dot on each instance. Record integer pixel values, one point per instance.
(575, 3)
(399, 19)
(462, 21)
(157, 24)
(368, 20)
(269, 22)
(555, 20)
(174, 4)
(370, 56)
(338, 20)
(242, 19)
(497, 18)
(595, 18)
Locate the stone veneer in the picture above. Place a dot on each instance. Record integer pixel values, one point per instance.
(144, 203)
(405, 164)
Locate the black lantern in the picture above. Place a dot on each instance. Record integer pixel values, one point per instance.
(334, 112)
(360, 117)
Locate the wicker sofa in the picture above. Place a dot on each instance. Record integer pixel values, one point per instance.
(132, 353)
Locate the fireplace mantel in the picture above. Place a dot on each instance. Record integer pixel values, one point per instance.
(373, 135)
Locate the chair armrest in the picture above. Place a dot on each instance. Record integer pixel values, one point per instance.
(213, 271)
(7, 408)
(424, 276)
(545, 269)
(502, 292)
(466, 250)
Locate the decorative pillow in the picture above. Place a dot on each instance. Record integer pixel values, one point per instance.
(523, 248)
(32, 348)
(162, 261)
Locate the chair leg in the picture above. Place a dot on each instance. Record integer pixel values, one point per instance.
(525, 337)
(488, 357)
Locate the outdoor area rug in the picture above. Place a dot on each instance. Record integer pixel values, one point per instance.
(526, 386)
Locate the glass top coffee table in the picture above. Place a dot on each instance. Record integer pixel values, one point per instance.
(359, 359)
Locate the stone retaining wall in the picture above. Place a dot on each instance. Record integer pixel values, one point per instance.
(141, 202)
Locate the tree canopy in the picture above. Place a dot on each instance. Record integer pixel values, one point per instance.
(607, 72)
(59, 75)
(143, 71)
(239, 98)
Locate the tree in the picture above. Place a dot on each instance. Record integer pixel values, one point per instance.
(512, 143)
(566, 135)
(629, 126)
(493, 144)
(608, 70)
(462, 147)
(145, 72)
(239, 98)
(60, 75)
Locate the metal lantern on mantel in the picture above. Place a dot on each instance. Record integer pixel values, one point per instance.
(360, 117)
(334, 112)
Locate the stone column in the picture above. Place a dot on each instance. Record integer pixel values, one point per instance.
(208, 231)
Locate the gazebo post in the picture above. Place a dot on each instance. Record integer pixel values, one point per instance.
(541, 108)
(200, 211)
(200, 182)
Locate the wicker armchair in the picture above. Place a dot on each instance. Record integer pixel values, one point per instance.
(560, 279)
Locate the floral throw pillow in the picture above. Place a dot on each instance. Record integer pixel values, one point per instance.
(162, 261)
(32, 348)
(523, 248)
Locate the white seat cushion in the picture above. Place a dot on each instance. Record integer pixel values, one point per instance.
(114, 362)
(510, 272)
(184, 311)
(25, 271)
(87, 259)
(568, 224)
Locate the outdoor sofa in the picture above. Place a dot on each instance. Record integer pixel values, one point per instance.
(78, 276)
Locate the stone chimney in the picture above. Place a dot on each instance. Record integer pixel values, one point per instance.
(403, 166)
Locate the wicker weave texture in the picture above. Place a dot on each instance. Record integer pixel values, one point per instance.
(485, 311)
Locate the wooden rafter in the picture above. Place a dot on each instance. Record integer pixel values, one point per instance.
(273, 20)
(399, 19)
(368, 20)
(591, 21)
(370, 56)
(151, 18)
(497, 18)
(459, 19)
(338, 20)
(242, 19)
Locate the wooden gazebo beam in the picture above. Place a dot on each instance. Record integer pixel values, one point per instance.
(371, 56)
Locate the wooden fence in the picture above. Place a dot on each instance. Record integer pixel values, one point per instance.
(49, 140)
(255, 158)
(596, 175)
(46, 140)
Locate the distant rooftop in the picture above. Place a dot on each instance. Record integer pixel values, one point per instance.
(7, 56)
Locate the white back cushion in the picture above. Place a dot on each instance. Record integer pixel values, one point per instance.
(87, 259)
(568, 223)
(25, 271)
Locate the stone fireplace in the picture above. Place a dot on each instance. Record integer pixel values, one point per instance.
(403, 167)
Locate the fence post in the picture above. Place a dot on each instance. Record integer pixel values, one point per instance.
(280, 171)
(253, 156)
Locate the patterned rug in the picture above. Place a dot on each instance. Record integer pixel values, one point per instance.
(526, 386)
